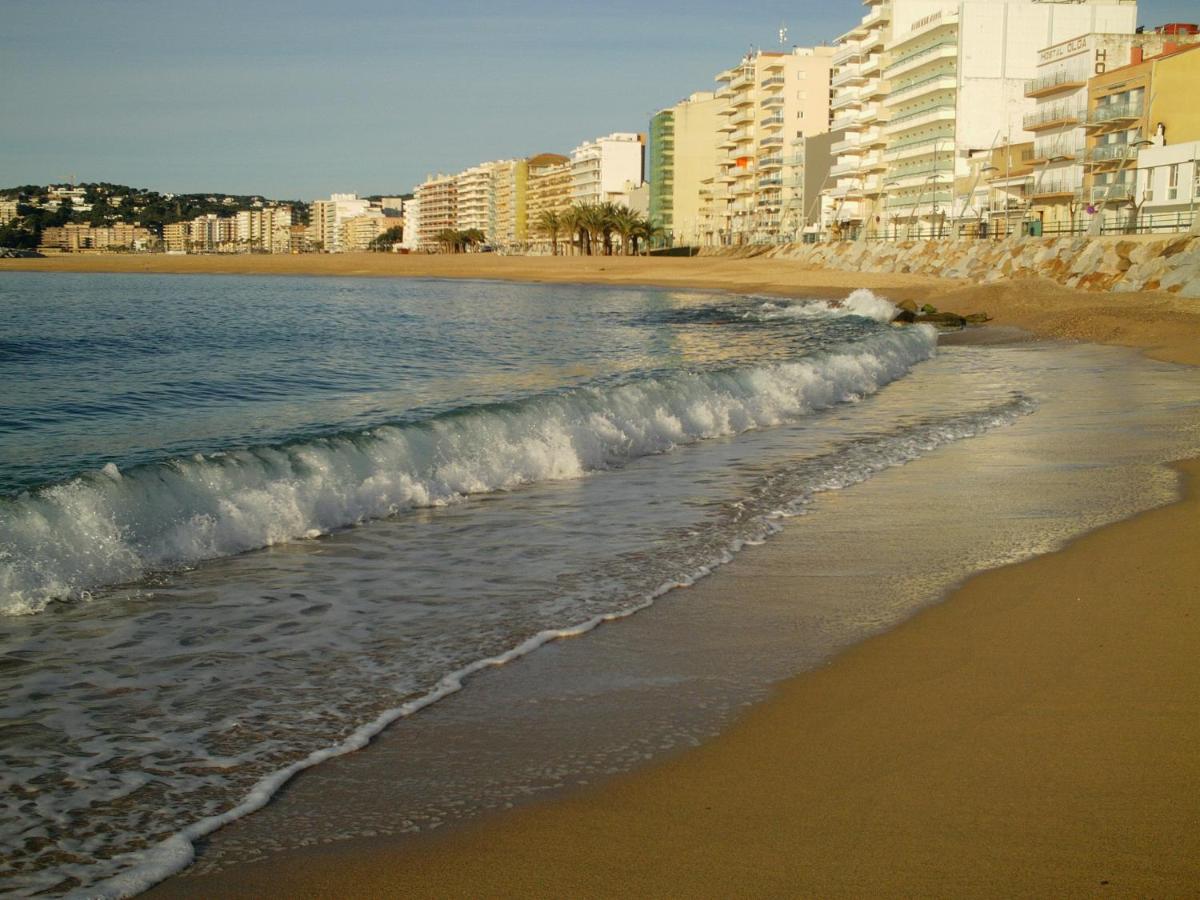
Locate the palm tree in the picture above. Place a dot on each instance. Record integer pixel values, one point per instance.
(471, 237)
(624, 222)
(646, 230)
(593, 221)
(569, 219)
(448, 239)
(611, 213)
(549, 223)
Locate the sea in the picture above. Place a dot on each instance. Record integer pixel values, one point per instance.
(249, 523)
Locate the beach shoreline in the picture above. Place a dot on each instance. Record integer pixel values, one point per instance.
(1161, 324)
(1029, 735)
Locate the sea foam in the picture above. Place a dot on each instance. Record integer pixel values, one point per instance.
(110, 527)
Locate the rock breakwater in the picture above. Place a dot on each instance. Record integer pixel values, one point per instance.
(1120, 263)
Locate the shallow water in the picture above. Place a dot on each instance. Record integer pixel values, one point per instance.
(477, 499)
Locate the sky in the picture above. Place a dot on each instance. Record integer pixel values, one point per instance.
(295, 100)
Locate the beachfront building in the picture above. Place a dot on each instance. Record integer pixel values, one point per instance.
(8, 210)
(438, 199)
(1147, 106)
(476, 192)
(360, 231)
(412, 224)
(923, 86)
(601, 168)
(73, 237)
(683, 156)
(511, 177)
(548, 189)
(1059, 120)
(957, 85)
(267, 230)
(326, 218)
(771, 102)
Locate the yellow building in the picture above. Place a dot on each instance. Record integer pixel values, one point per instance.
(548, 189)
(360, 231)
(512, 181)
(683, 155)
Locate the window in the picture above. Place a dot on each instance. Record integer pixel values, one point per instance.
(1173, 182)
(1148, 193)
(801, 74)
(800, 115)
(801, 95)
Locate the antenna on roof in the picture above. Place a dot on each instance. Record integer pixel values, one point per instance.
(783, 34)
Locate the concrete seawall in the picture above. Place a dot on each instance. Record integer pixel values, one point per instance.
(1117, 263)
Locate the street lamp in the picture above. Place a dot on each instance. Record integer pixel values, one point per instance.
(885, 206)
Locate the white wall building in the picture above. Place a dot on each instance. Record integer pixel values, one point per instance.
(937, 81)
(601, 168)
(1168, 185)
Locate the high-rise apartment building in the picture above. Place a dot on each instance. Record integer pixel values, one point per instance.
(548, 189)
(772, 102)
(326, 217)
(438, 199)
(476, 199)
(8, 210)
(510, 178)
(683, 155)
(601, 168)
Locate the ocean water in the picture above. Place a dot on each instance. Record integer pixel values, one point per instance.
(249, 522)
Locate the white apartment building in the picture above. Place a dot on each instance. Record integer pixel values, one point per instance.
(923, 85)
(412, 224)
(8, 211)
(601, 168)
(477, 199)
(267, 229)
(437, 198)
(772, 102)
(326, 218)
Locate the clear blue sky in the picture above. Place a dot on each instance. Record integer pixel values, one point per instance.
(298, 99)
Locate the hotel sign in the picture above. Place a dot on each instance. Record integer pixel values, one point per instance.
(1076, 47)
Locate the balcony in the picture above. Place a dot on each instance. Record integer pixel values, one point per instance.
(843, 168)
(770, 181)
(768, 163)
(773, 81)
(848, 75)
(1113, 114)
(742, 135)
(841, 146)
(908, 62)
(1108, 154)
(773, 101)
(742, 117)
(774, 140)
(1105, 193)
(1057, 116)
(847, 52)
(908, 93)
(846, 101)
(744, 80)
(927, 115)
(1055, 82)
(1054, 187)
(775, 121)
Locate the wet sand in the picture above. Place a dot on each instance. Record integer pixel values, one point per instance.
(1035, 734)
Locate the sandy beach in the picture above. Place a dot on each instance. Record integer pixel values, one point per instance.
(1034, 734)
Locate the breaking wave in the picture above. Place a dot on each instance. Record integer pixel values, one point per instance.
(110, 527)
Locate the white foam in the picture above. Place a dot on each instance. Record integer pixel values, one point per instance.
(112, 527)
(862, 303)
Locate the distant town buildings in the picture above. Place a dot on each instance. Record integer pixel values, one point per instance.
(73, 238)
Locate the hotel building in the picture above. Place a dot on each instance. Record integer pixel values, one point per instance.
(925, 85)
(769, 104)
